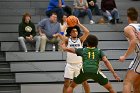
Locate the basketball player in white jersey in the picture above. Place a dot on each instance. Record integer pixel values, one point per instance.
(133, 75)
(74, 62)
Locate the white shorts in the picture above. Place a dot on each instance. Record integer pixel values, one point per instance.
(72, 70)
(135, 64)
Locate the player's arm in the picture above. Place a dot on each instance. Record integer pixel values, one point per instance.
(60, 36)
(129, 33)
(71, 50)
(85, 32)
(109, 66)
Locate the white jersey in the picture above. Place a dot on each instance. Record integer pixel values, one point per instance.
(73, 58)
(135, 64)
(136, 26)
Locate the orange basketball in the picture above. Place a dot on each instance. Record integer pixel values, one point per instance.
(72, 21)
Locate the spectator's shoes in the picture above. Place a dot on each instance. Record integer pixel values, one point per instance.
(26, 51)
(118, 21)
(92, 22)
(112, 21)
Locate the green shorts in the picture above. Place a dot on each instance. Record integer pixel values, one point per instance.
(97, 77)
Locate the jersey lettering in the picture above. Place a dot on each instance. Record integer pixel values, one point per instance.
(91, 55)
(74, 45)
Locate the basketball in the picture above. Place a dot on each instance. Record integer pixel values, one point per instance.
(72, 21)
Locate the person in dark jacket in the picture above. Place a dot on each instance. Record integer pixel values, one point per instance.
(110, 11)
(59, 7)
(92, 4)
(27, 33)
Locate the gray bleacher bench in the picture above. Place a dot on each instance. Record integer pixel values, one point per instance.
(49, 55)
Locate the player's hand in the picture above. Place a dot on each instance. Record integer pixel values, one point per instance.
(78, 22)
(116, 77)
(122, 58)
(63, 46)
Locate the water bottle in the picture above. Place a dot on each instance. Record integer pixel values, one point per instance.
(53, 47)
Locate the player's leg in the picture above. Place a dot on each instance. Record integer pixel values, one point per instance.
(68, 76)
(79, 80)
(136, 85)
(102, 80)
(109, 87)
(85, 83)
(86, 87)
(71, 87)
(129, 80)
(66, 85)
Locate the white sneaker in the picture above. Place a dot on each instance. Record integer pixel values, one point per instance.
(26, 51)
(92, 22)
(36, 51)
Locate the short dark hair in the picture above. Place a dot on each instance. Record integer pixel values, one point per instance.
(92, 41)
(53, 13)
(132, 13)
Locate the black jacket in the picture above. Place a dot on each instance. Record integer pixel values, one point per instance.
(26, 29)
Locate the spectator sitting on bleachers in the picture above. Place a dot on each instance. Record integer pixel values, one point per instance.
(59, 7)
(48, 29)
(110, 11)
(63, 24)
(94, 7)
(81, 9)
(27, 33)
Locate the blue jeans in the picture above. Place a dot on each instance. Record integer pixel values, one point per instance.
(87, 11)
(112, 14)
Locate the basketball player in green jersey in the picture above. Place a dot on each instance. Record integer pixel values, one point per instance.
(91, 57)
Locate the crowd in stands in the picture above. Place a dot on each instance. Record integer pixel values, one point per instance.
(55, 22)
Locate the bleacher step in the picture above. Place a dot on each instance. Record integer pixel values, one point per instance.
(49, 55)
(13, 91)
(57, 88)
(7, 81)
(58, 66)
(55, 77)
(9, 87)
(4, 69)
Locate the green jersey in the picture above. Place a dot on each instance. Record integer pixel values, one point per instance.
(91, 58)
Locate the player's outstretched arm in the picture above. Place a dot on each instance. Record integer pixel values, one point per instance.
(109, 66)
(71, 50)
(85, 31)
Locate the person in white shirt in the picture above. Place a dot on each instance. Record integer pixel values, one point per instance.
(132, 34)
(74, 63)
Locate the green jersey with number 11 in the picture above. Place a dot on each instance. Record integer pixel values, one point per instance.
(91, 58)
